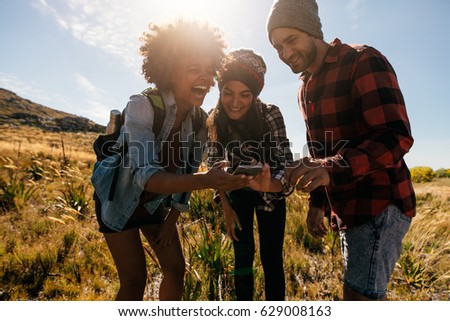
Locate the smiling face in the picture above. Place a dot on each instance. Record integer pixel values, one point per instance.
(295, 48)
(192, 80)
(236, 99)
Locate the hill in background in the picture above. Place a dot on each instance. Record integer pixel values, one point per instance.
(17, 111)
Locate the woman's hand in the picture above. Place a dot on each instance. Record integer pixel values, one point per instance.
(219, 179)
(165, 231)
(231, 222)
(230, 216)
(262, 181)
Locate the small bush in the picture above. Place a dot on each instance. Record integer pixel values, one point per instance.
(422, 174)
(15, 193)
(442, 172)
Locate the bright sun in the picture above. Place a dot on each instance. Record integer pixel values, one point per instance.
(198, 9)
(202, 10)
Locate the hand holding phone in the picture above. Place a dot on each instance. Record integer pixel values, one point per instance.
(250, 170)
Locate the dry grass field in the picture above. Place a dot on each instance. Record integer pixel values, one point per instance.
(50, 248)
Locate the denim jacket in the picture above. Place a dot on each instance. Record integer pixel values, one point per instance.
(141, 161)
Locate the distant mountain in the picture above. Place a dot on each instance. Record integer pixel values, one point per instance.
(16, 111)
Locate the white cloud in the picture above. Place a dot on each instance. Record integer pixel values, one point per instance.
(115, 26)
(89, 88)
(94, 102)
(97, 111)
(98, 23)
(46, 9)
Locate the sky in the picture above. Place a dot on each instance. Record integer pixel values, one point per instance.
(82, 56)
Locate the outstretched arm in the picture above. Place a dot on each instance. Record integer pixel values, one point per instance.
(215, 178)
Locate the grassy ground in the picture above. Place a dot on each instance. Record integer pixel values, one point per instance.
(50, 248)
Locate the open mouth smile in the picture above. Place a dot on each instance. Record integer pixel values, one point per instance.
(200, 90)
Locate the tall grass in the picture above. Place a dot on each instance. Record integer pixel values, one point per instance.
(50, 248)
(424, 267)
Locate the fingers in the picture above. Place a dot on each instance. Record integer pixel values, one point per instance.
(231, 230)
(311, 178)
(316, 223)
(318, 230)
(262, 181)
(233, 234)
(299, 171)
(163, 237)
(308, 182)
(296, 174)
(231, 224)
(220, 180)
(233, 182)
(238, 224)
(305, 180)
(221, 164)
(321, 230)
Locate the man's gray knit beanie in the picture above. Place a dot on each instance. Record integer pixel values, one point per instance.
(299, 14)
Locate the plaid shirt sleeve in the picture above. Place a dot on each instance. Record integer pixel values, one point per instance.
(375, 91)
(282, 153)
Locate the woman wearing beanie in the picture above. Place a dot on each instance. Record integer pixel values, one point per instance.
(244, 131)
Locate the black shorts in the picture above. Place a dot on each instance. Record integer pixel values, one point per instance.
(139, 218)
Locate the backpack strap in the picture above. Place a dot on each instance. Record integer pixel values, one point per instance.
(159, 108)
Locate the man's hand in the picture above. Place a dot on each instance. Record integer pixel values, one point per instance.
(308, 174)
(316, 222)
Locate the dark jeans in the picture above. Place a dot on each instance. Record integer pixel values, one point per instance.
(271, 226)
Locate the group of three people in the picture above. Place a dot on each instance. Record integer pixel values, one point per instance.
(353, 108)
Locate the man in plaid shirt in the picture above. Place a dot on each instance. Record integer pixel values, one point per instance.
(358, 132)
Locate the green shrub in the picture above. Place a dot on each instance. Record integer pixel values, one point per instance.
(36, 170)
(15, 193)
(76, 196)
(442, 172)
(422, 174)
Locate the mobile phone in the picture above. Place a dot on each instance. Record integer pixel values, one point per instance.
(251, 170)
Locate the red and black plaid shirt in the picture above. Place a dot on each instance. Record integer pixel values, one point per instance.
(356, 119)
